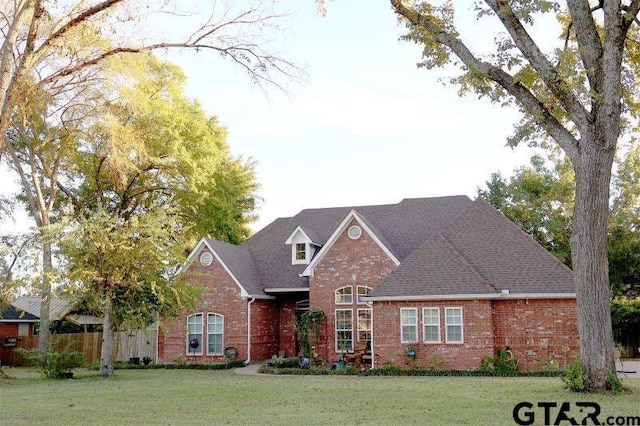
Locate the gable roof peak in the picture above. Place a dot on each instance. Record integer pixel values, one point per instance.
(308, 233)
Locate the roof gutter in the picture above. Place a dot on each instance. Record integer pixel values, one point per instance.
(489, 296)
(248, 361)
(286, 290)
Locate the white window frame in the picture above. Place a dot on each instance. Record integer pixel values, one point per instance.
(367, 290)
(209, 333)
(365, 330)
(425, 325)
(198, 351)
(337, 293)
(447, 324)
(301, 251)
(343, 330)
(403, 325)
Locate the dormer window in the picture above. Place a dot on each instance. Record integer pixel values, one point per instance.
(302, 245)
(301, 251)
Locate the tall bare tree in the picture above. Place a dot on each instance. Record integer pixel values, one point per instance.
(579, 94)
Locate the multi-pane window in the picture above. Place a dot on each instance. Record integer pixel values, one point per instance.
(431, 325)
(362, 292)
(364, 325)
(194, 334)
(344, 296)
(301, 251)
(215, 333)
(344, 330)
(453, 325)
(408, 325)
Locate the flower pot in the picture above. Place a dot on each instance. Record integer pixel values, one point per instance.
(134, 360)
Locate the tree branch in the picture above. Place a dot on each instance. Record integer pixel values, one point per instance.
(539, 62)
(631, 16)
(531, 104)
(589, 44)
(82, 17)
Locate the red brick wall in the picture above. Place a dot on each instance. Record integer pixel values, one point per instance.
(542, 329)
(532, 329)
(221, 295)
(265, 329)
(8, 329)
(478, 338)
(287, 319)
(348, 263)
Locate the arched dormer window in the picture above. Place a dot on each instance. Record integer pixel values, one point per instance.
(344, 295)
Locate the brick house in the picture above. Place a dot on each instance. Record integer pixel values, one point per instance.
(449, 278)
(16, 322)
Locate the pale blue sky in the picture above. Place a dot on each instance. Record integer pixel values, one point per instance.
(367, 128)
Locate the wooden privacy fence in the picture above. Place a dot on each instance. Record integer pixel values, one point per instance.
(127, 344)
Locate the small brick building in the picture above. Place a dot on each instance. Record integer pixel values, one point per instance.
(448, 280)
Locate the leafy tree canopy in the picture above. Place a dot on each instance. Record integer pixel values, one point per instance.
(539, 198)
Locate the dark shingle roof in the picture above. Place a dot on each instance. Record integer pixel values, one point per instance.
(11, 313)
(240, 263)
(445, 245)
(403, 227)
(480, 252)
(433, 269)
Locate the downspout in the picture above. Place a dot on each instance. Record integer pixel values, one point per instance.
(157, 338)
(248, 361)
(373, 355)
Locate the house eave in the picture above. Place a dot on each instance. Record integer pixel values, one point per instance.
(286, 289)
(11, 321)
(258, 297)
(485, 296)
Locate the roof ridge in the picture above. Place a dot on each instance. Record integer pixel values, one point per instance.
(464, 260)
(515, 227)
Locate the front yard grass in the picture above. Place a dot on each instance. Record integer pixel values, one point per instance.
(136, 397)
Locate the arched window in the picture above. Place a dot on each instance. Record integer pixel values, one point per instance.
(344, 295)
(215, 334)
(363, 290)
(194, 334)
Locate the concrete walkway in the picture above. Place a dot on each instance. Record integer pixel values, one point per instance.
(249, 370)
(628, 368)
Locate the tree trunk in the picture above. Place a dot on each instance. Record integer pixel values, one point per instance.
(590, 265)
(45, 293)
(106, 355)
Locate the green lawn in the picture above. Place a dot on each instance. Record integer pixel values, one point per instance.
(221, 397)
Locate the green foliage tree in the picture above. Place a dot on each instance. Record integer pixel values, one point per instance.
(539, 198)
(625, 314)
(581, 95)
(155, 174)
(53, 54)
(127, 270)
(151, 147)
